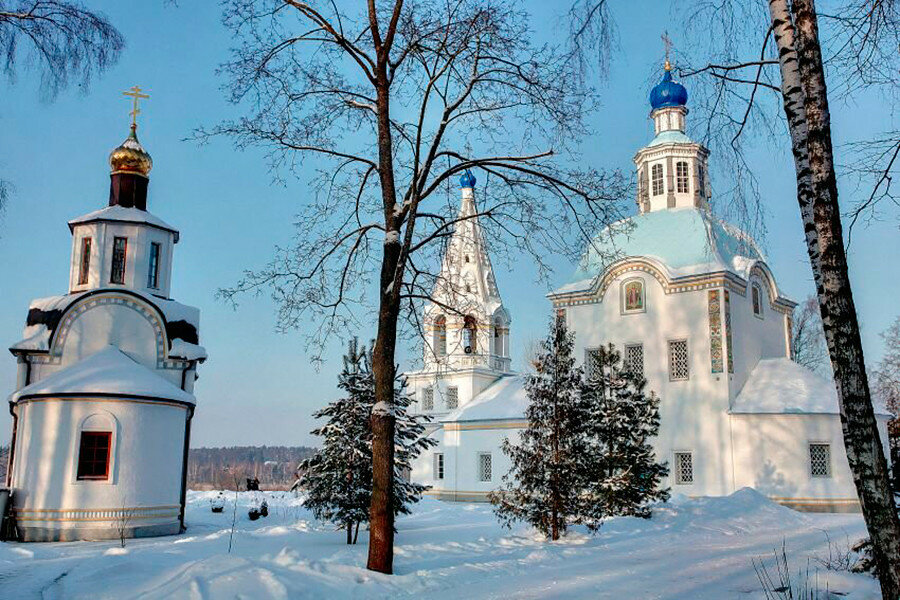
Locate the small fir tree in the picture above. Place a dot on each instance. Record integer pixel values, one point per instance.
(622, 474)
(338, 478)
(544, 486)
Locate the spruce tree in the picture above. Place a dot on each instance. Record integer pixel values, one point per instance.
(622, 474)
(338, 478)
(544, 485)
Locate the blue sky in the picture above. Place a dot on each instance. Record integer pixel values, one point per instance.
(258, 386)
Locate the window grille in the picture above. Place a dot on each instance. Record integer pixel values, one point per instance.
(681, 177)
(438, 465)
(678, 359)
(153, 272)
(452, 398)
(592, 361)
(84, 267)
(93, 455)
(634, 359)
(657, 178)
(120, 250)
(484, 466)
(820, 460)
(684, 468)
(428, 399)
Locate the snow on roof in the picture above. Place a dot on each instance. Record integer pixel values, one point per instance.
(685, 241)
(187, 350)
(123, 214)
(109, 371)
(503, 399)
(44, 314)
(780, 385)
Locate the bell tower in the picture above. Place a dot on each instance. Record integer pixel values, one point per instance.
(466, 345)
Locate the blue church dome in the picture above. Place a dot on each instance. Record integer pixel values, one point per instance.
(668, 93)
(467, 180)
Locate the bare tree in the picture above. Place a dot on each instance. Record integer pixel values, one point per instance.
(63, 40)
(808, 338)
(886, 387)
(389, 103)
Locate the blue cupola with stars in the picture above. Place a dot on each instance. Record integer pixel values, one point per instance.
(467, 180)
(668, 92)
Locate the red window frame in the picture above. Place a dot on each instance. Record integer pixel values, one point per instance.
(93, 452)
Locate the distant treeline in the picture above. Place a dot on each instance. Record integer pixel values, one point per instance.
(217, 468)
(4, 460)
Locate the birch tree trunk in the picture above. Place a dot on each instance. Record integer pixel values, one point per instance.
(806, 108)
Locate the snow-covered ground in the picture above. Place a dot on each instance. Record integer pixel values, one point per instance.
(691, 549)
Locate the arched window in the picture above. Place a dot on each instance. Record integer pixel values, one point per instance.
(96, 448)
(756, 296)
(440, 336)
(681, 177)
(633, 296)
(657, 177)
(470, 335)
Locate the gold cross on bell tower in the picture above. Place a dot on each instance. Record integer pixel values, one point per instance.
(135, 94)
(668, 44)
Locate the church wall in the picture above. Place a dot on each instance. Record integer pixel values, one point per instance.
(468, 382)
(693, 412)
(143, 471)
(137, 259)
(461, 449)
(753, 337)
(772, 455)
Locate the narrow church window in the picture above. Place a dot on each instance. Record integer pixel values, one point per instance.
(634, 359)
(592, 361)
(633, 296)
(93, 455)
(452, 398)
(678, 360)
(657, 179)
(681, 177)
(438, 465)
(85, 264)
(428, 399)
(820, 460)
(467, 258)
(684, 468)
(756, 295)
(120, 250)
(470, 330)
(440, 336)
(560, 316)
(701, 181)
(153, 273)
(484, 466)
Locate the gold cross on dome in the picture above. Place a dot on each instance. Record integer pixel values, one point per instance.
(135, 94)
(668, 44)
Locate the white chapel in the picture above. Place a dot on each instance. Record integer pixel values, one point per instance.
(104, 400)
(691, 303)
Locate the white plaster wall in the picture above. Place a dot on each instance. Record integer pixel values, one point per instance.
(137, 256)
(772, 455)
(146, 457)
(693, 412)
(461, 449)
(469, 382)
(753, 337)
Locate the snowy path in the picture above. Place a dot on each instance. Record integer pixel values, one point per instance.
(692, 549)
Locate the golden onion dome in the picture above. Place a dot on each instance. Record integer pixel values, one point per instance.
(130, 156)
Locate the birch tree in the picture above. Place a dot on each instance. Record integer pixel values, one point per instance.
(390, 102)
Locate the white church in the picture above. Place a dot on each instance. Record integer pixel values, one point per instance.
(690, 302)
(104, 400)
